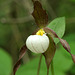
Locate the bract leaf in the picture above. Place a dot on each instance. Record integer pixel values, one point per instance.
(22, 52)
(63, 42)
(58, 25)
(49, 54)
(40, 15)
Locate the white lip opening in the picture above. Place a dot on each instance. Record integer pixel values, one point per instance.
(37, 43)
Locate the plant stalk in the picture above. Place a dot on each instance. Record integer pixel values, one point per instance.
(52, 68)
(38, 71)
(47, 70)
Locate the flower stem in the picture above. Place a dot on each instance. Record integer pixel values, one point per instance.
(52, 68)
(47, 70)
(39, 65)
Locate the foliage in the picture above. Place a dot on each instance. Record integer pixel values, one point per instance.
(5, 63)
(58, 25)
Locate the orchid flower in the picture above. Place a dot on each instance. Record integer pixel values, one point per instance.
(43, 39)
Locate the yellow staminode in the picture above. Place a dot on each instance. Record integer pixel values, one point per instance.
(40, 32)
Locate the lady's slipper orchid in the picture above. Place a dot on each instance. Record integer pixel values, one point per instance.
(38, 43)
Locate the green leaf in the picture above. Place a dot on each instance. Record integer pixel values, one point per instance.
(58, 25)
(61, 62)
(5, 63)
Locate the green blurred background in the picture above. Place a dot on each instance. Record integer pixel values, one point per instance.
(17, 23)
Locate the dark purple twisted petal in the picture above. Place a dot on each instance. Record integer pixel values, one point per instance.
(17, 65)
(63, 42)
